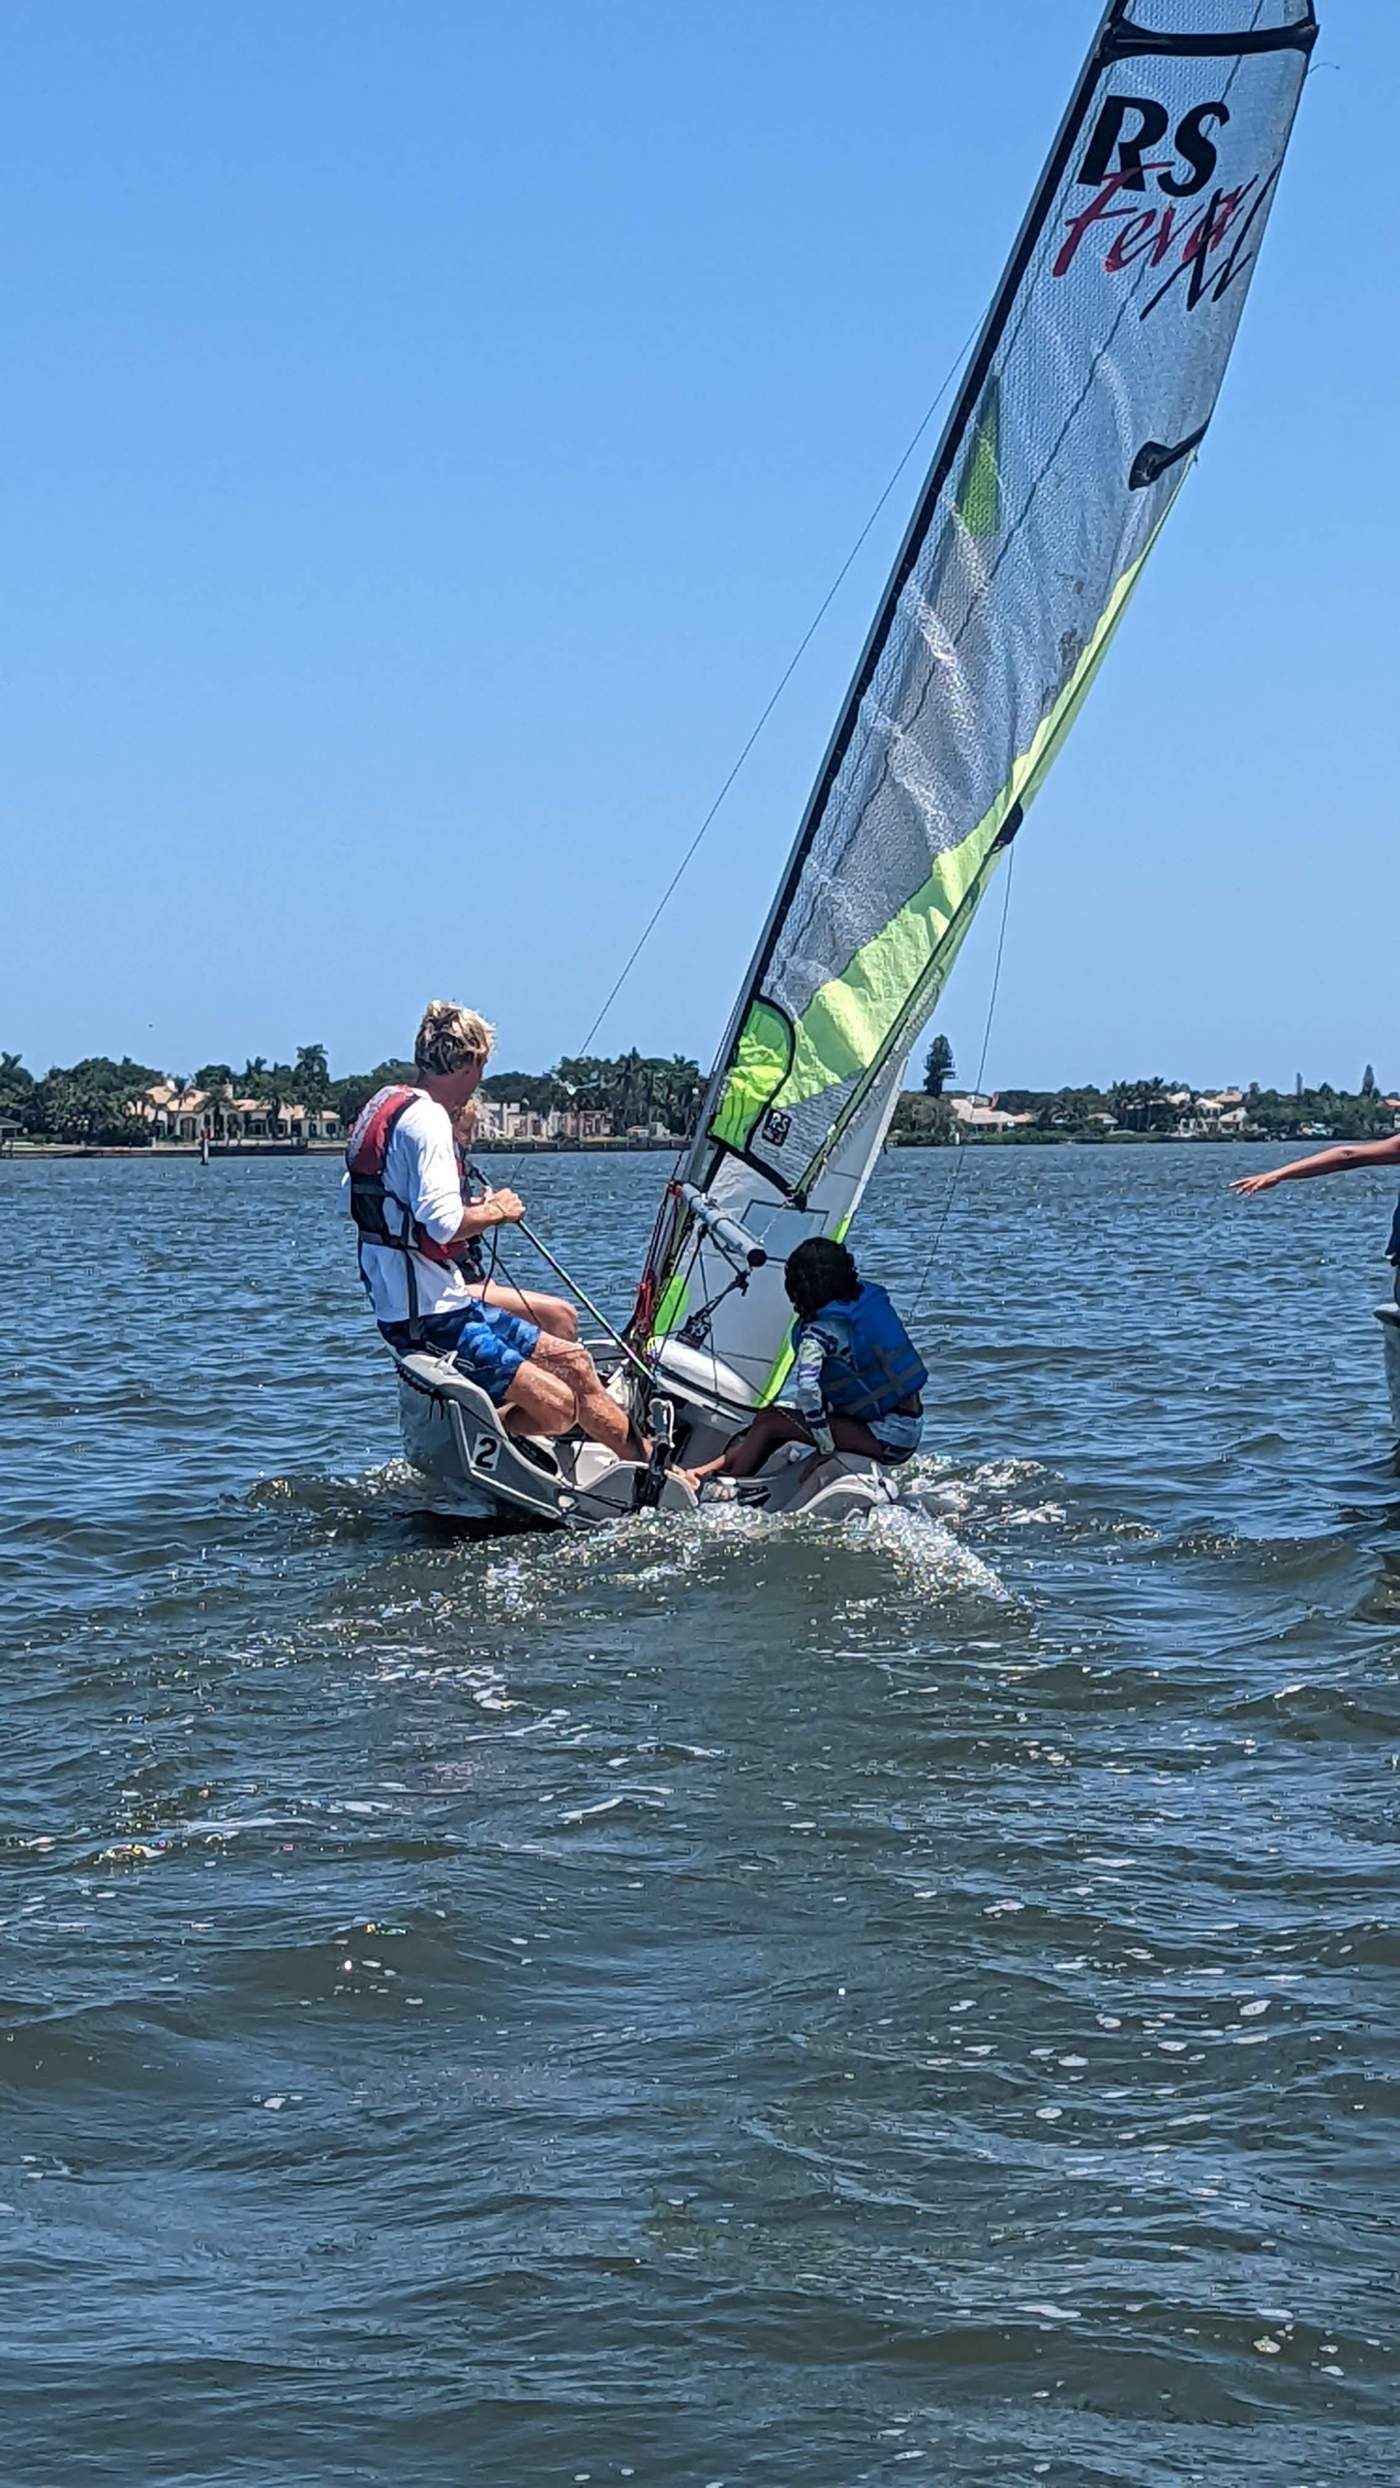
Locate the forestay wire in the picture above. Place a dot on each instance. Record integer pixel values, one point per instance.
(784, 679)
(770, 704)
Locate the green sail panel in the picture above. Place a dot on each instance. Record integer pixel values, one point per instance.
(1089, 390)
(848, 1024)
(762, 1060)
(978, 502)
(849, 1020)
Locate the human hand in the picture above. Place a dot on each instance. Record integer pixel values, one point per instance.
(506, 1207)
(1246, 1184)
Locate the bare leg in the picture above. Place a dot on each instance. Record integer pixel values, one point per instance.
(549, 1313)
(745, 1455)
(596, 1414)
(538, 1402)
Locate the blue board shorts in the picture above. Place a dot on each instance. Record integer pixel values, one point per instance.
(485, 1342)
(898, 1435)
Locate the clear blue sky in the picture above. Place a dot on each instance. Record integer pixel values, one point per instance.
(431, 428)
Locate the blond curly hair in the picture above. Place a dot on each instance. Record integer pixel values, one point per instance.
(449, 1038)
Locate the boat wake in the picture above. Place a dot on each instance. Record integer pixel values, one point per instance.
(666, 1556)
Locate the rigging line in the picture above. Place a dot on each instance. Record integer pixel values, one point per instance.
(802, 646)
(956, 1177)
(703, 1281)
(586, 1301)
(790, 669)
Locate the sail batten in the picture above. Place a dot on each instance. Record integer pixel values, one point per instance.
(1085, 400)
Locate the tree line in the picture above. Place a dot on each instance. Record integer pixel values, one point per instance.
(1147, 1106)
(92, 1100)
(1153, 1105)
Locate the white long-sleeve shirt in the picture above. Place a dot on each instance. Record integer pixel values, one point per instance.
(421, 1169)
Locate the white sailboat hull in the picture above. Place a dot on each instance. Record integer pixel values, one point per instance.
(472, 1470)
(453, 1437)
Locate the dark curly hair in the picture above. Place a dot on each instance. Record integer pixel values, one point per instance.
(820, 1272)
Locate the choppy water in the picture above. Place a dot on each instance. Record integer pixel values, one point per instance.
(703, 2004)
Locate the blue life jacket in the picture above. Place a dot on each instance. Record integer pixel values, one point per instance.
(1392, 1250)
(876, 1366)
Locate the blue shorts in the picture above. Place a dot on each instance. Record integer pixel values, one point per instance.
(898, 1435)
(487, 1344)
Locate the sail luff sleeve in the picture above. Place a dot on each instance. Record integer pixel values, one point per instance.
(1084, 403)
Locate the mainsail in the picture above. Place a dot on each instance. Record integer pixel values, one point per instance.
(1084, 402)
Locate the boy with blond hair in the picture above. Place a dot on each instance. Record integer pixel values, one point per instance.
(403, 1189)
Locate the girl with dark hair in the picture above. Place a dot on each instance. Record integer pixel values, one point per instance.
(820, 1272)
(856, 1373)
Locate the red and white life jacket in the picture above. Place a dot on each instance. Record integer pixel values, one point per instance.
(365, 1153)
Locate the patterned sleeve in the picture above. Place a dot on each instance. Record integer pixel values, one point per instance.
(804, 1391)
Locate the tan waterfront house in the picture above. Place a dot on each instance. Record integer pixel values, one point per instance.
(171, 1112)
(975, 1113)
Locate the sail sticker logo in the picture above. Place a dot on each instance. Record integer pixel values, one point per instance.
(1185, 242)
(1117, 147)
(776, 1128)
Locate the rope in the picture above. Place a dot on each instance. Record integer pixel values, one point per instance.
(956, 1177)
(586, 1301)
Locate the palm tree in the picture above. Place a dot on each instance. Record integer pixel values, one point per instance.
(631, 1078)
(279, 1086)
(181, 1087)
(312, 1076)
(681, 1092)
(216, 1080)
(15, 1081)
(1142, 1105)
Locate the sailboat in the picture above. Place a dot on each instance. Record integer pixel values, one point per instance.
(1083, 406)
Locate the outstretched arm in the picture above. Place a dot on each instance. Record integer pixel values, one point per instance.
(1324, 1162)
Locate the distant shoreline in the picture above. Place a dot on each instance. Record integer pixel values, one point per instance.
(251, 1149)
